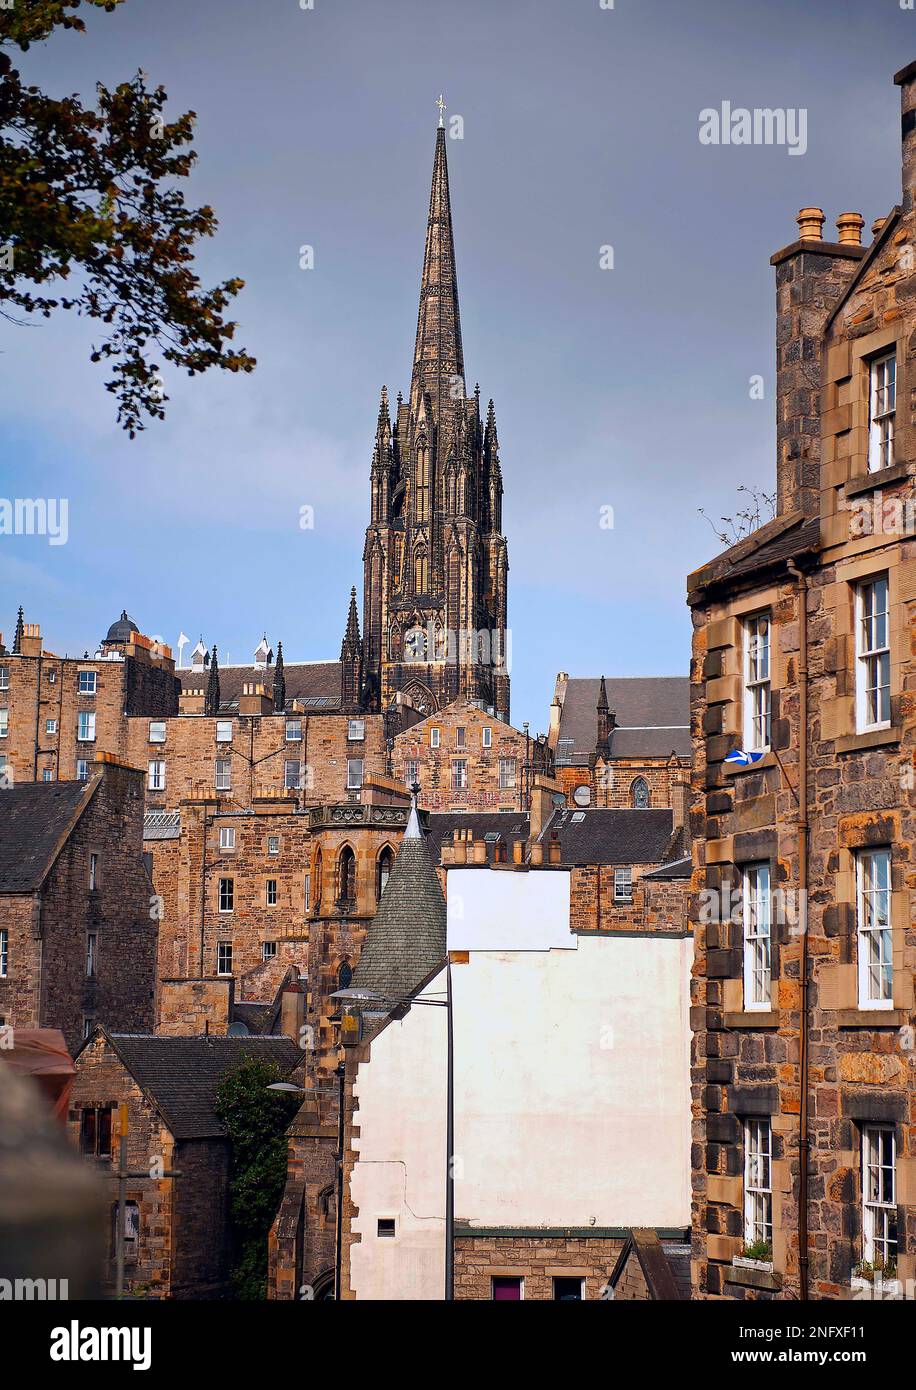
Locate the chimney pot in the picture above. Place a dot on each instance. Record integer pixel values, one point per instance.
(811, 224)
(877, 225)
(849, 226)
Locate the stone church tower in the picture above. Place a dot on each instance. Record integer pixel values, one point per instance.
(435, 562)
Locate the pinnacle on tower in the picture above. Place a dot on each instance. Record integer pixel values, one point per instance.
(19, 634)
(351, 645)
(279, 682)
(211, 699)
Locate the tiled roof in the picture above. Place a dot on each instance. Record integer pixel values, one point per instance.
(315, 683)
(181, 1075)
(162, 825)
(610, 837)
(653, 718)
(34, 821)
(405, 941)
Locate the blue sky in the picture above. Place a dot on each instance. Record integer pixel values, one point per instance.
(626, 388)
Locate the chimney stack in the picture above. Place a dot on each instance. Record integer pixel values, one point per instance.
(905, 79)
(811, 274)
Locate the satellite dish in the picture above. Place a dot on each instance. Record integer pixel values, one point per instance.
(238, 1029)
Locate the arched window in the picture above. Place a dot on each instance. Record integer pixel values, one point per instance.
(346, 877)
(316, 881)
(383, 871)
(421, 572)
(422, 484)
(344, 975)
(639, 794)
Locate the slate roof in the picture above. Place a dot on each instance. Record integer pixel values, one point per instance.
(315, 683)
(665, 1264)
(769, 547)
(653, 718)
(405, 940)
(508, 825)
(181, 1075)
(35, 818)
(610, 837)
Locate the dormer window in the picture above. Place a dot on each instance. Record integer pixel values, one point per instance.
(199, 657)
(882, 411)
(263, 655)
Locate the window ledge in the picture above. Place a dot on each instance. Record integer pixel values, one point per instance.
(871, 1018)
(873, 738)
(871, 482)
(741, 769)
(753, 1278)
(752, 1018)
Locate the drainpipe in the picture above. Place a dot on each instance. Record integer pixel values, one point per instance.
(803, 1139)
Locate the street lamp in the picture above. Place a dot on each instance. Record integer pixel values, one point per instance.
(391, 1004)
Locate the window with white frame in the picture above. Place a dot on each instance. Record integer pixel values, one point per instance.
(411, 772)
(227, 895)
(87, 682)
(47, 774)
(873, 929)
(293, 730)
(756, 907)
(268, 950)
(879, 1196)
(50, 726)
(307, 896)
(156, 780)
(460, 737)
(223, 775)
(757, 682)
(273, 844)
(271, 894)
(882, 408)
(623, 883)
(4, 723)
(4, 952)
(758, 1183)
(224, 730)
(92, 949)
(356, 730)
(506, 774)
(224, 958)
(459, 774)
(5, 770)
(4, 678)
(82, 770)
(157, 731)
(93, 872)
(85, 727)
(873, 657)
(434, 738)
(354, 774)
(486, 737)
(227, 837)
(292, 774)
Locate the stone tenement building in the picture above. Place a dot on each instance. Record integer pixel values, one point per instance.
(77, 932)
(803, 1078)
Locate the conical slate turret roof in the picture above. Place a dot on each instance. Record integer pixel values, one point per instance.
(406, 939)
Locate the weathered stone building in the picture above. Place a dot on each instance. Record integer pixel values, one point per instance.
(804, 1141)
(77, 921)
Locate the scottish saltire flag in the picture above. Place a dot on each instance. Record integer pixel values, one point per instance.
(742, 758)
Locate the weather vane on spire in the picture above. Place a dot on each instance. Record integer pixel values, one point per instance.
(441, 105)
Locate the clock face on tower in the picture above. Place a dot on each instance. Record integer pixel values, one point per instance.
(415, 644)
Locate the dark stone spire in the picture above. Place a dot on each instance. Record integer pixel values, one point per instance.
(211, 699)
(606, 722)
(351, 661)
(279, 682)
(438, 355)
(19, 634)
